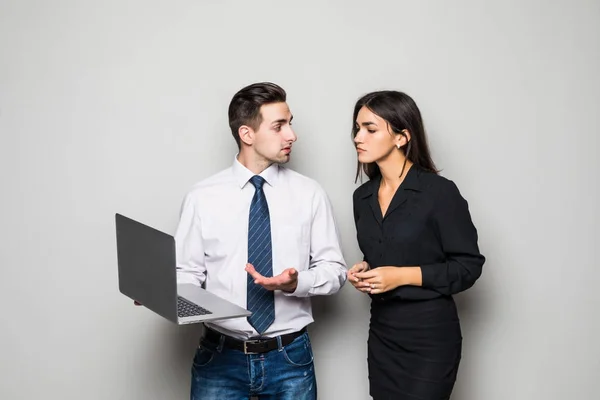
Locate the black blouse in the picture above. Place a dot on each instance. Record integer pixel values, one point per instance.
(427, 224)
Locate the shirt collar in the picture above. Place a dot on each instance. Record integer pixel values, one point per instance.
(242, 174)
(411, 182)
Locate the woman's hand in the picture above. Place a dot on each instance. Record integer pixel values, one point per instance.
(357, 268)
(379, 280)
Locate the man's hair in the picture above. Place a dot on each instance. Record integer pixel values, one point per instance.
(245, 105)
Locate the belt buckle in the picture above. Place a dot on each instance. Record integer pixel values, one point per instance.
(246, 342)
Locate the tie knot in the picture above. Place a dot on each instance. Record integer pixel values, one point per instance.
(257, 181)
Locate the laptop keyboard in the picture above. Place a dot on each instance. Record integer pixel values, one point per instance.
(186, 308)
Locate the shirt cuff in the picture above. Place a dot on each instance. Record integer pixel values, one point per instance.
(305, 283)
(183, 278)
(429, 273)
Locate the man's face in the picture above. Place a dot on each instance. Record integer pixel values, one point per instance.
(274, 137)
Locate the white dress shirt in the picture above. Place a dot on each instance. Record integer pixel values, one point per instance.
(212, 243)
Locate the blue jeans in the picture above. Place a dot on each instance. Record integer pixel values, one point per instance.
(286, 373)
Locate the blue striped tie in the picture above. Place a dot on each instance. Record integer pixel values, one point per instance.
(260, 300)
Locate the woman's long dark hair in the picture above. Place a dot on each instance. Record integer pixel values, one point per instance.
(400, 111)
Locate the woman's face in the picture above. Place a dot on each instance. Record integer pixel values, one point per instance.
(374, 140)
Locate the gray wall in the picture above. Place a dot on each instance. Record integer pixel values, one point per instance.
(120, 106)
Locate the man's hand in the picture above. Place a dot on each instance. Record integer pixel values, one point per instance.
(287, 281)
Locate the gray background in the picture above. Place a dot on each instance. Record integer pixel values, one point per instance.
(120, 106)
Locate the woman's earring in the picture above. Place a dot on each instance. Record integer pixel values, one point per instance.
(398, 146)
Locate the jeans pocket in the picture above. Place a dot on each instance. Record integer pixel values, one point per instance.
(299, 352)
(203, 357)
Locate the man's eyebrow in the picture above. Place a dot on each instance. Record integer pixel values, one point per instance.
(282, 120)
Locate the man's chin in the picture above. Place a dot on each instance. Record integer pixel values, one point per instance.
(282, 159)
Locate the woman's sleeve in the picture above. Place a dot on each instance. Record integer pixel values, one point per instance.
(458, 237)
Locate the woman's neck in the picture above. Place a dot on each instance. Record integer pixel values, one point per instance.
(392, 174)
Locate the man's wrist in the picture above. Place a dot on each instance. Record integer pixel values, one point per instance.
(304, 282)
(291, 288)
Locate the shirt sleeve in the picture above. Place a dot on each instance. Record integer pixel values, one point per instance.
(458, 236)
(327, 270)
(355, 210)
(188, 244)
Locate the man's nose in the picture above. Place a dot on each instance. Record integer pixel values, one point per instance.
(290, 135)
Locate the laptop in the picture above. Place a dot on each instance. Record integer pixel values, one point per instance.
(148, 275)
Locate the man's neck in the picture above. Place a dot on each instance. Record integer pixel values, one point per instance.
(253, 163)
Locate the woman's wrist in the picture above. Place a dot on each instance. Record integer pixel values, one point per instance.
(409, 276)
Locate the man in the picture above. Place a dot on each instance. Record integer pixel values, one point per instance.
(263, 237)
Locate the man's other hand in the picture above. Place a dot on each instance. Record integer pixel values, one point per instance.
(287, 281)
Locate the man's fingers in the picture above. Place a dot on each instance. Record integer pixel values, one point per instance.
(263, 280)
(250, 269)
(292, 272)
(266, 281)
(287, 277)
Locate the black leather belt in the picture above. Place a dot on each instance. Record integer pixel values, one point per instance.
(252, 346)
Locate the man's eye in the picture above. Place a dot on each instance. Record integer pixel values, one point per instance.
(277, 128)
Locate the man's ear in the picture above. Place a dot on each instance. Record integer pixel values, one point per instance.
(246, 134)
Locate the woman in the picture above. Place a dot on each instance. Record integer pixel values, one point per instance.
(420, 247)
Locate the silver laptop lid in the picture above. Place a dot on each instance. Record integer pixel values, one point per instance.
(147, 273)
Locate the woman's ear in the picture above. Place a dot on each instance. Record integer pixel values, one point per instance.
(403, 138)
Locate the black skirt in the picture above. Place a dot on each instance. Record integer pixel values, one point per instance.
(414, 349)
